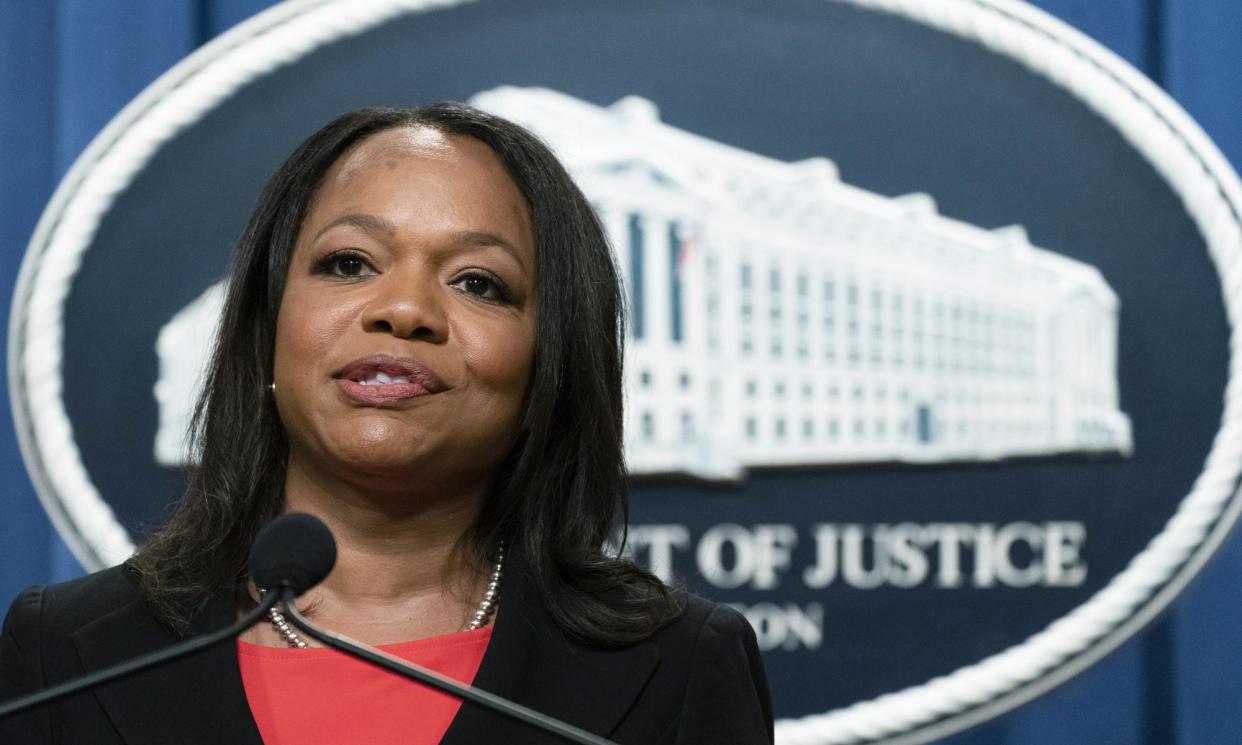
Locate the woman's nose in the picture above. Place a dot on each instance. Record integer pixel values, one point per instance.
(406, 308)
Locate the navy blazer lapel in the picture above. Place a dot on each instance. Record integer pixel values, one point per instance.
(200, 699)
(196, 699)
(530, 661)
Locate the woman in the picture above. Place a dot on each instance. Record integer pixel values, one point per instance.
(421, 346)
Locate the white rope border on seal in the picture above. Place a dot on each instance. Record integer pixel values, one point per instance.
(1196, 170)
(1144, 115)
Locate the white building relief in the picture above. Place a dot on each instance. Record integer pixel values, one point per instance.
(780, 317)
(183, 347)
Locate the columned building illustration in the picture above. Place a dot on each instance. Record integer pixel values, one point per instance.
(779, 316)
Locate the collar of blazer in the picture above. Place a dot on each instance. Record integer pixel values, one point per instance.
(200, 699)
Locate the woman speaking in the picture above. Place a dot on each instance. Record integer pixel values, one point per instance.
(421, 346)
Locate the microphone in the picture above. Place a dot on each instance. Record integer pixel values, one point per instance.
(295, 551)
(294, 571)
(284, 547)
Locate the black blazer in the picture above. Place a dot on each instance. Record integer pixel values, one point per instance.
(698, 681)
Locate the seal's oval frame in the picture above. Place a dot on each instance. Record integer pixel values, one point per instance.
(1143, 114)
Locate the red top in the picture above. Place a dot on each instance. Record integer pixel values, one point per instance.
(319, 695)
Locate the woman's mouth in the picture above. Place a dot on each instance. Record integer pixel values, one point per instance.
(382, 379)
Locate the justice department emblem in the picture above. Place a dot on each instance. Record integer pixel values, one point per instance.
(907, 366)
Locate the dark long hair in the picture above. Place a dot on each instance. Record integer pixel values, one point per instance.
(561, 489)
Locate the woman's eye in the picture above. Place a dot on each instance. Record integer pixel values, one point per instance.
(349, 266)
(343, 264)
(483, 286)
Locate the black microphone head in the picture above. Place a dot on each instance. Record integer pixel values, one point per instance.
(295, 549)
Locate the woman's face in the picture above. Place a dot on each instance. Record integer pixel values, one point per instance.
(407, 326)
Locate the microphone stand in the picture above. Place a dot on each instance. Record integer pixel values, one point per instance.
(130, 667)
(440, 682)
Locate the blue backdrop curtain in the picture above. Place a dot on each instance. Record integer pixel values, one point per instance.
(68, 66)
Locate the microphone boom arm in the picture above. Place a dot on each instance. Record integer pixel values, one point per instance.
(139, 664)
(440, 682)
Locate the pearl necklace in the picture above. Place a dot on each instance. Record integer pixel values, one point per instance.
(486, 608)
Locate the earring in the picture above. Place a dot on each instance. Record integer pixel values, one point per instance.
(271, 387)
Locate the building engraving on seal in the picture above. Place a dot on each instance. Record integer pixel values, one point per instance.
(778, 316)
